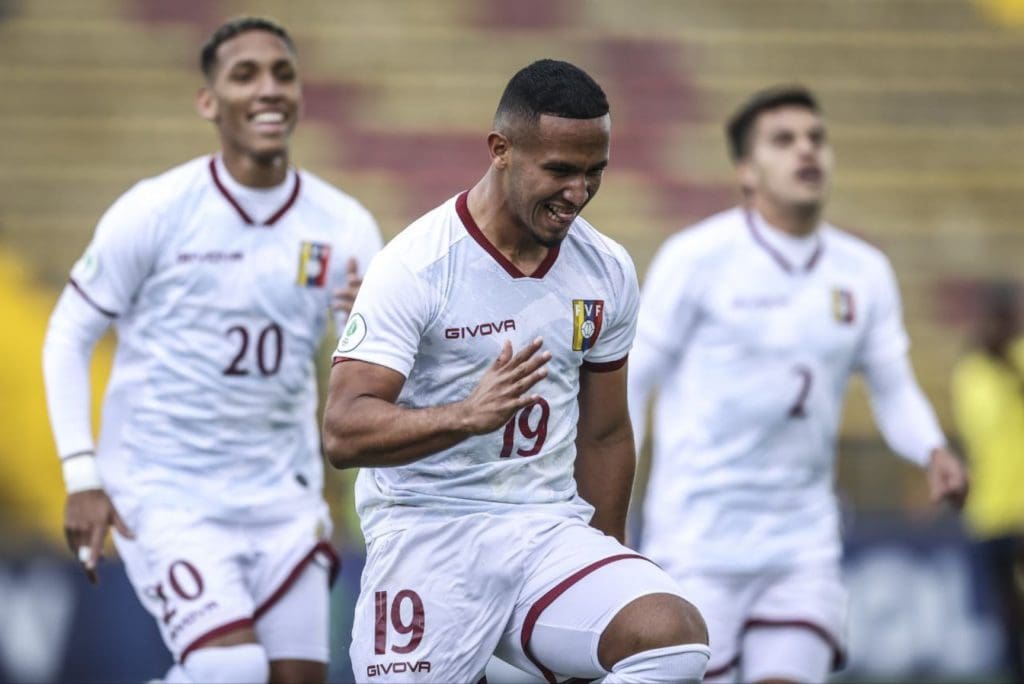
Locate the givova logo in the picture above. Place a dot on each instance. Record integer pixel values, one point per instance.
(395, 668)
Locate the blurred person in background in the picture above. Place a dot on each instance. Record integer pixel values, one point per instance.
(751, 323)
(219, 276)
(481, 387)
(988, 406)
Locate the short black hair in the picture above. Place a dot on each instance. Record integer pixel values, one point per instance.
(552, 87)
(235, 27)
(741, 124)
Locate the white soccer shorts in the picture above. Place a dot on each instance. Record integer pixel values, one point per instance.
(201, 578)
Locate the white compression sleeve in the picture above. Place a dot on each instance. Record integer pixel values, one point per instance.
(75, 327)
(901, 410)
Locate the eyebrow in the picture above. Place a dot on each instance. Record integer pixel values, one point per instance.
(566, 166)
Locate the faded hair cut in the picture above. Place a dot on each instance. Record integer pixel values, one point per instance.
(551, 87)
(236, 27)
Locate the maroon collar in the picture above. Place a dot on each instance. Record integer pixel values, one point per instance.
(778, 256)
(462, 207)
(238, 207)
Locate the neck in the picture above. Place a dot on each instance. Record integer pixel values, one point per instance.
(488, 206)
(796, 220)
(256, 172)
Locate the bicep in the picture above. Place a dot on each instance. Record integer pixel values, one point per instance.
(352, 379)
(603, 408)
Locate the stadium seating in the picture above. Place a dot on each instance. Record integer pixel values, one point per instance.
(923, 98)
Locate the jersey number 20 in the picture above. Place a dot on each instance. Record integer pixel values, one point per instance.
(269, 349)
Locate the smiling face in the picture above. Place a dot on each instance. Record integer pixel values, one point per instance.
(253, 96)
(551, 171)
(788, 166)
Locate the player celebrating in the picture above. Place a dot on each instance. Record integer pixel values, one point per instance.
(750, 325)
(483, 366)
(218, 276)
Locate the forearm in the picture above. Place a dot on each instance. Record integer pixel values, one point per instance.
(902, 413)
(373, 432)
(604, 476)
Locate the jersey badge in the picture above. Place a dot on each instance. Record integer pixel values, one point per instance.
(355, 332)
(313, 260)
(843, 309)
(587, 316)
(87, 268)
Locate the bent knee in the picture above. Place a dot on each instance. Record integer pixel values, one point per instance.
(651, 622)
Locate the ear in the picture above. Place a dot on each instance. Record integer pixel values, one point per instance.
(206, 103)
(499, 147)
(745, 175)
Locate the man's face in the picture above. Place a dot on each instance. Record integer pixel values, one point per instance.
(254, 97)
(789, 162)
(553, 171)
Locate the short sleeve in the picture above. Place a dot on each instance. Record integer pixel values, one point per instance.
(669, 303)
(886, 338)
(120, 256)
(618, 331)
(388, 318)
(365, 243)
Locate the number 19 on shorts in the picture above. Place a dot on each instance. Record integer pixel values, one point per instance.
(406, 616)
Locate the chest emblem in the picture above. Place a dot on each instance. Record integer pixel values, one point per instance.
(587, 316)
(313, 260)
(843, 308)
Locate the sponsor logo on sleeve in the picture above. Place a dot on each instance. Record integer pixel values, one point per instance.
(843, 309)
(587, 316)
(313, 260)
(355, 333)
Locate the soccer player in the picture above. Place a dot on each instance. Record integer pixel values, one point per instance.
(219, 276)
(751, 323)
(481, 386)
(987, 389)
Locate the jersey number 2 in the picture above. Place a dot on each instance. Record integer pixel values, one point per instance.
(269, 349)
(797, 410)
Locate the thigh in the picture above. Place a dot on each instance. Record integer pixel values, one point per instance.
(434, 600)
(724, 600)
(794, 654)
(290, 574)
(806, 607)
(577, 581)
(297, 626)
(188, 573)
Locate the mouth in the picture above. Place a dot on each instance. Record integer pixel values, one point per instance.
(270, 121)
(561, 214)
(810, 174)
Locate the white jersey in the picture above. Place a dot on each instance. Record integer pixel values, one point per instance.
(219, 294)
(760, 332)
(436, 305)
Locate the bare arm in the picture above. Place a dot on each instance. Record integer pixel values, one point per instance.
(605, 455)
(363, 426)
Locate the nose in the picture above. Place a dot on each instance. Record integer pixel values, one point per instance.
(268, 86)
(806, 146)
(576, 191)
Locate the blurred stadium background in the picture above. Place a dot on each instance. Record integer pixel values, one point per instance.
(923, 97)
